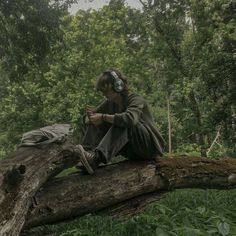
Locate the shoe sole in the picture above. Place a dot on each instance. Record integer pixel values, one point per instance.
(84, 161)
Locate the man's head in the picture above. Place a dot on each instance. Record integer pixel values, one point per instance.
(112, 79)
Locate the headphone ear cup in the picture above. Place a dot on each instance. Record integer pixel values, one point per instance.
(118, 84)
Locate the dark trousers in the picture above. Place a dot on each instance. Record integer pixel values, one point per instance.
(133, 143)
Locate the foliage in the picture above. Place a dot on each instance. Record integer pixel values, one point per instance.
(190, 44)
(181, 50)
(29, 28)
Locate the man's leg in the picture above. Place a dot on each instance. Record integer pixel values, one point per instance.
(113, 141)
(116, 141)
(108, 145)
(140, 145)
(93, 135)
(134, 143)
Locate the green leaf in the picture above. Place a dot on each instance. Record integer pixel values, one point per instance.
(223, 228)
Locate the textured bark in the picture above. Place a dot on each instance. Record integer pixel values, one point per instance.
(115, 187)
(133, 206)
(21, 175)
(78, 194)
(128, 208)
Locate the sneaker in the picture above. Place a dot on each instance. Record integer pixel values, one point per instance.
(89, 160)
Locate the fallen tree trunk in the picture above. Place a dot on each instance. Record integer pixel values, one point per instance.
(22, 174)
(75, 195)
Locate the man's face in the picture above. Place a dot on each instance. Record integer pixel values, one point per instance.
(110, 94)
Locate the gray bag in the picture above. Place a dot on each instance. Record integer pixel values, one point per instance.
(57, 133)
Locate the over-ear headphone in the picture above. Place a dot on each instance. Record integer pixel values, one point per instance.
(117, 83)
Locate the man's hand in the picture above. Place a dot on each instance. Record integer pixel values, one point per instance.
(90, 111)
(96, 118)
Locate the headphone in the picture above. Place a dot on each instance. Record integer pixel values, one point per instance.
(117, 83)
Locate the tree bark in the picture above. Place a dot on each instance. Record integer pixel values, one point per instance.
(169, 126)
(78, 194)
(198, 116)
(22, 174)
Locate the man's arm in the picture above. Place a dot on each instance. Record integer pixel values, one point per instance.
(129, 117)
(98, 118)
(108, 118)
(132, 114)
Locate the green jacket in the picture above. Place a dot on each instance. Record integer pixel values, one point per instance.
(135, 109)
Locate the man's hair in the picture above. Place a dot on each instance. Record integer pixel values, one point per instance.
(105, 79)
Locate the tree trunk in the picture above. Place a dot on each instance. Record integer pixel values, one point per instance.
(169, 126)
(78, 194)
(22, 174)
(197, 114)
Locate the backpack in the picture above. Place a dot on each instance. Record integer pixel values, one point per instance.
(57, 133)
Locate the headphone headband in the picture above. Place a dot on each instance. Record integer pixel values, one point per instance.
(114, 75)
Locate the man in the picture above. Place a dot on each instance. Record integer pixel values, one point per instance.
(121, 125)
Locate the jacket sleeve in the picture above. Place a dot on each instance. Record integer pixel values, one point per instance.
(132, 114)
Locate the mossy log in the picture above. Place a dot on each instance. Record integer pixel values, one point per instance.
(30, 197)
(75, 195)
(22, 173)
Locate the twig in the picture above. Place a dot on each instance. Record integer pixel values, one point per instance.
(215, 141)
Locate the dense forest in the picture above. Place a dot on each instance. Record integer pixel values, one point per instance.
(179, 54)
